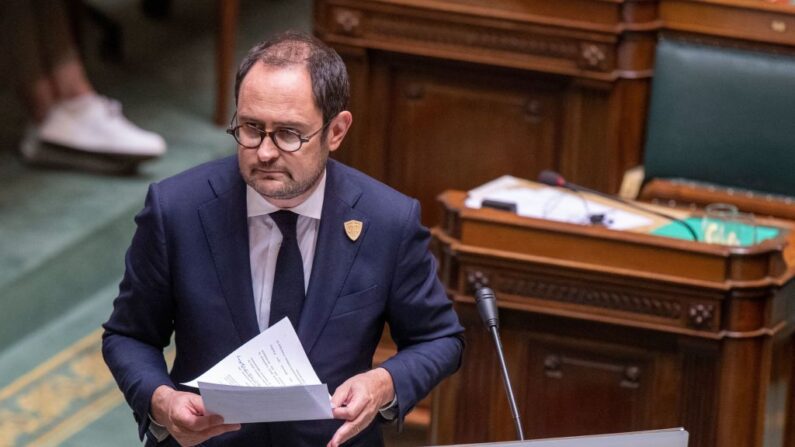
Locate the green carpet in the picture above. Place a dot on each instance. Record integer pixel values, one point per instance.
(63, 232)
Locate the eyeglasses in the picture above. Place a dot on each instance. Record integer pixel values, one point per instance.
(250, 136)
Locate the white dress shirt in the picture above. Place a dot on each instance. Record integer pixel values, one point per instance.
(264, 240)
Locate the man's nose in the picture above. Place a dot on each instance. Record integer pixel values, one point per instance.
(267, 151)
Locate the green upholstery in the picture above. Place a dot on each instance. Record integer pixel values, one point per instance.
(723, 116)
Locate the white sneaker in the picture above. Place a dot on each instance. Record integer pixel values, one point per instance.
(37, 153)
(94, 123)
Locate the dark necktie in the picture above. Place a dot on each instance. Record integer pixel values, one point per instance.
(288, 280)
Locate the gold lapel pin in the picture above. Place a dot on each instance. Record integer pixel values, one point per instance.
(353, 228)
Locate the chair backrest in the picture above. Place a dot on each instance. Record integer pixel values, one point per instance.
(724, 116)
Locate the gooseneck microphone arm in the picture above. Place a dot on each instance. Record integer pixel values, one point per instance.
(487, 308)
(552, 178)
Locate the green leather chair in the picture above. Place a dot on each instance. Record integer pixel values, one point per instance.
(722, 118)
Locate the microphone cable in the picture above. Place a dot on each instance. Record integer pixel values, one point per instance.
(552, 178)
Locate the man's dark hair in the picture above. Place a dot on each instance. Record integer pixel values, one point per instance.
(330, 85)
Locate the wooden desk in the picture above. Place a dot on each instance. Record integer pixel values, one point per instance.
(608, 331)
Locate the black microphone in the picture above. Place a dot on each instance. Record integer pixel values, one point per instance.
(552, 178)
(487, 308)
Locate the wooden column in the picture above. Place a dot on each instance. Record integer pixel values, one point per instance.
(228, 11)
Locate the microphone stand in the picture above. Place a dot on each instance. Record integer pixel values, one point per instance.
(487, 308)
(507, 382)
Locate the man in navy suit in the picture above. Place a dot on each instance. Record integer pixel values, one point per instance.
(208, 263)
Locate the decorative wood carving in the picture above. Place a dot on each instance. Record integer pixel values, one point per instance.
(631, 377)
(476, 279)
(700, 315)
(552, 367)
(347, 21)
(593, 56)
(565, 290)
(477, 38)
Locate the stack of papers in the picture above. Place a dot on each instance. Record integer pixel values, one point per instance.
(268, 379)
(543, 202)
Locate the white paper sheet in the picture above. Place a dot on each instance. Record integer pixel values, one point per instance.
(243, 404)
(552, 204)
(267, 379)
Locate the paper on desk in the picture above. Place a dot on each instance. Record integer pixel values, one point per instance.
(552, 204)
(267, 379)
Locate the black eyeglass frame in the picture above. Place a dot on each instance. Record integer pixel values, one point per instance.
(232, 130)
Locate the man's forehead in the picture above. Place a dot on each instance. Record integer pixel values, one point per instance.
(262, 79)
(275, 86)
(295, 73)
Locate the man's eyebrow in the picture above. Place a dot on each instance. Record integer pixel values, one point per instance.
(247, 119)
(290, 124)
(295, 124)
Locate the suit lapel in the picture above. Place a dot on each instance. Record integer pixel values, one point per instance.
(225, 224)
(334, 255)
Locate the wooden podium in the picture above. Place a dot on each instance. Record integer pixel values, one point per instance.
(612, 331)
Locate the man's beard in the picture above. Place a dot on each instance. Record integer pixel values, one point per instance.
(291, 189)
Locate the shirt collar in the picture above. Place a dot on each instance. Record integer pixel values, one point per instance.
(311, 207)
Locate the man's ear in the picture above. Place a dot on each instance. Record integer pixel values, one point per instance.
(338, 128)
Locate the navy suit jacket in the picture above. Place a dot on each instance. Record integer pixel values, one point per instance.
(188, 274)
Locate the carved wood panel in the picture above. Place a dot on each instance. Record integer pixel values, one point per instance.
(575, 386)
(569, 379)
(493, 123)
(670, 306)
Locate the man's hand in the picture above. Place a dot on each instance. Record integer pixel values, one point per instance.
(184, 417)
(357, 402)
